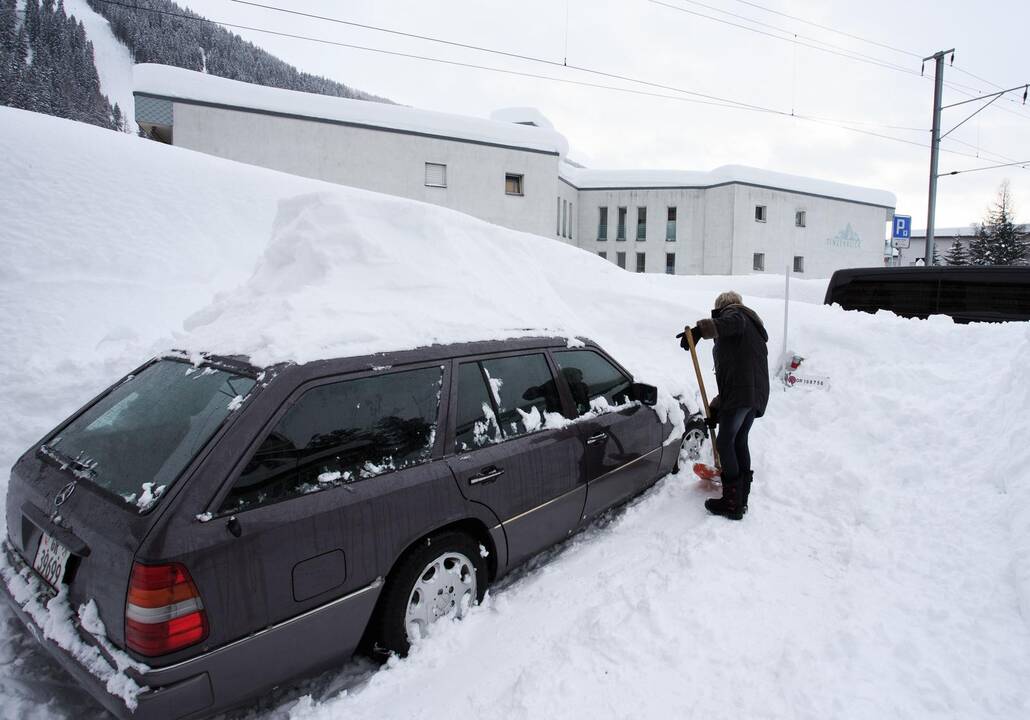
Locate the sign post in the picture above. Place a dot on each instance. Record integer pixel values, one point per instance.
(901, 234)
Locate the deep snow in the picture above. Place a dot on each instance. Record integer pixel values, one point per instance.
(884, 567)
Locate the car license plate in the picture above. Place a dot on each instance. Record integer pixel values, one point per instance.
(51, 560)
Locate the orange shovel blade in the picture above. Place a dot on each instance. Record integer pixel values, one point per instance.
(706, 472)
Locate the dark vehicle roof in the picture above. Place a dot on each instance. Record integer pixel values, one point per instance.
(966, 293)
(993, 273)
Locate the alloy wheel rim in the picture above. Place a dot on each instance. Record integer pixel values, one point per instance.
(446, 587)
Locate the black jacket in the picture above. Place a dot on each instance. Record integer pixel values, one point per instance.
(741, 359)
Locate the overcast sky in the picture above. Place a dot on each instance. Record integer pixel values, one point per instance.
(649, 41)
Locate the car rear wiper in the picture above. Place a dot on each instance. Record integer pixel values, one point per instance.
(81, 465)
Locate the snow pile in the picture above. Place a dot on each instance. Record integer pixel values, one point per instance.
(352, 273)
(58, 624)
(883, 569)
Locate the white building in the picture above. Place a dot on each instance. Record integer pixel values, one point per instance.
(513, 170)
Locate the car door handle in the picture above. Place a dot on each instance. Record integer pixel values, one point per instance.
(486, 475)
(599, 437)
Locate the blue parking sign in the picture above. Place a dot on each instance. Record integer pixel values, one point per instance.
(902, 227)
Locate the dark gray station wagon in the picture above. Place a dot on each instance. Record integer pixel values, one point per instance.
(239, 527)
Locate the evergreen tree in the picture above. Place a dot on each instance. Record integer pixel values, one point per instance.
(957, 254)
(999, 241)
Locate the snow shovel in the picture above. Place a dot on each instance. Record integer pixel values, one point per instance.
(705, 472)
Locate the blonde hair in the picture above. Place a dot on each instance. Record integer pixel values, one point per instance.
(728, 298)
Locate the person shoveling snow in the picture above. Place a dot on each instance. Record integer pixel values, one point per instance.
(742, 376)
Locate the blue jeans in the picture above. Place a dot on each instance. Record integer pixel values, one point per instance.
(734, 426)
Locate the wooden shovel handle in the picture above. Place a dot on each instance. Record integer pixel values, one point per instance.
(704, 395)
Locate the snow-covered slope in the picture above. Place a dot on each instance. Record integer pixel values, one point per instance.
(882, 571)
(112, 59)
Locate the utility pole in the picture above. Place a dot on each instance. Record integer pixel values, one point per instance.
(935, 146)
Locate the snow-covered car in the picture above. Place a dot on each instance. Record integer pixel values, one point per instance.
(205, 530)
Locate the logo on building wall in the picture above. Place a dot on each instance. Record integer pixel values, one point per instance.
(846, 238)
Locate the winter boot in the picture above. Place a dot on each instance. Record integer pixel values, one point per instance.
(745, 489)
(729, 504)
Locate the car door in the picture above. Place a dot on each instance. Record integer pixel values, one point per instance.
(505, 455)
(621, 440)
(338, 484)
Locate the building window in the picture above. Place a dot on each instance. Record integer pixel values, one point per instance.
(759, 213)
(513, 184)
(603, 255)
(670, 263)
(641, 223)
(564, 216)
(620, 230)
(670, 225)
(557, 220)
(640, 262)
(620, 258)
(570, 221)
(759, 262)
(800, 218)
(602, 223)
(799, 263)
(436, 175)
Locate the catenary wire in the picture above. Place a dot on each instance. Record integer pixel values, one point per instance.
(707, 99)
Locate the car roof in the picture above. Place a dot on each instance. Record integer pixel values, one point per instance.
(430, 353)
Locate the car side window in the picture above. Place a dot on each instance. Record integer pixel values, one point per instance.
(477, 421)
(593, 381)
(343, 432)
(503, 398)
(523, 390)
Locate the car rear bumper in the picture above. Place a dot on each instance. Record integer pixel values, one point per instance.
(226, 676)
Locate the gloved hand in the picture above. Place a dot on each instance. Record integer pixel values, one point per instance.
(706, 328)
(713, 412)
(683, 337)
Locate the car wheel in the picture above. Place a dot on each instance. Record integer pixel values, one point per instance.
(443, 576)
(693, 439)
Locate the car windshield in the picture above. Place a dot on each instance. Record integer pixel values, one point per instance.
(136, 440)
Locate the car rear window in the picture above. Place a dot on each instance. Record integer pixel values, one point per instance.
(136, 440)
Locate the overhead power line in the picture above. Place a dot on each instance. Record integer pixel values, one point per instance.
(831, 29)
(1022, 163)
(805, 41)
(788, 36)
(696, 97)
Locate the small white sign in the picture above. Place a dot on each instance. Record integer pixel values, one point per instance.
(795, 379)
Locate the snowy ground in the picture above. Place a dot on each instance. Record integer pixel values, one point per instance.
(884, 567)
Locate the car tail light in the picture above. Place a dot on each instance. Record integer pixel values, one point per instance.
(163, 612)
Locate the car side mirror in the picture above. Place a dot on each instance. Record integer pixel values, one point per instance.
(644, 394)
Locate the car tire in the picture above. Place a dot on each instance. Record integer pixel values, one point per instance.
(693, 437)
(423, 587)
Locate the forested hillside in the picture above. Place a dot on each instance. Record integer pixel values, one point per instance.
(46, 64)
(47, 61)
(166, 33)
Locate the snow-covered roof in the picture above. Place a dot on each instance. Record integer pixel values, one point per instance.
(589, 179)
(188, 85)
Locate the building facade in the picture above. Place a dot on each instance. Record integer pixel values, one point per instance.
(513, 170)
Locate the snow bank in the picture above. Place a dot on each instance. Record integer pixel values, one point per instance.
(883, 569)
(174, 82)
